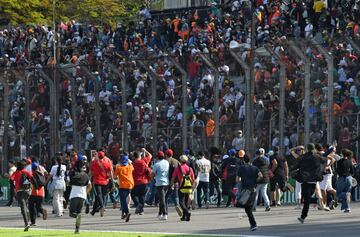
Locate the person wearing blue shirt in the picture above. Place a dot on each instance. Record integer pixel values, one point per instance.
(161, 176)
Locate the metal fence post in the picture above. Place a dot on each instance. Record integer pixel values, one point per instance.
(282, 97)
(125, 139)
(307, 62)
(217, 99)
(249, 112)
(53, 122)
(184, 126)
(330, 95)
(99, 137)
(73, 108)
(154, 78)
(6, 124)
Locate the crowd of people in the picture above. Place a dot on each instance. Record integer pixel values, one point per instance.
(189, 181)
(184, 35)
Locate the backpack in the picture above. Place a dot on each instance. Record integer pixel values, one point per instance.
(39, 179)
(186, 183)
(25, 183)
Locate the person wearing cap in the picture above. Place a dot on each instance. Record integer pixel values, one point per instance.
(124, 174)
(310, 171)
(229, 169)
(248, 176)
(21, 194)
(173, 193)
(80, 187)
(180, 170)
(37, 195)
(57, 174)
(263, 165)
(161, 175)
(203, 167)
(215, 177)
(101, 171)
(239, 141)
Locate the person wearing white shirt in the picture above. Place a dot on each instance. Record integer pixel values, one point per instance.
(204, 167)
(57, 173)
(239, 141)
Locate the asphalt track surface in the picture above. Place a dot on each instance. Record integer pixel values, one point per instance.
(280, 221)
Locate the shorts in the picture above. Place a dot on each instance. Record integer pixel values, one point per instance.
(76, 205)
(326, 183)
(280, 180)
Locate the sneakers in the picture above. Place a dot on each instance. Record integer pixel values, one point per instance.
(102, 210)
(301, 220)
(178, 210)
(253, 227)
(324, 208)
(163, 218)
(32, 224)
(267, 209)
(159, 217)
(188, 217)
(347, 210)
(207, 205)
(87, 208)
(127, 217)
(27, 227)
(44, 214)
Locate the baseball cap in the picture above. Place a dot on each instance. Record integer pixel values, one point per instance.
(160, 154)
(169, 152)
(232, 152)
(262, 151)
(124, 160)
(183, 158)
(311, 146)
(101, 154)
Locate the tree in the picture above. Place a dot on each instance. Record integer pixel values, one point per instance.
(41, 11)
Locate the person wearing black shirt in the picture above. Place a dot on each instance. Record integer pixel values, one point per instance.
(310, 170)
(249, 176)
(263, 165)
(280, 171)
(343, 186)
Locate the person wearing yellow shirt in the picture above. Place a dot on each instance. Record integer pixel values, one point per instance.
(318, 7)
(124, 174)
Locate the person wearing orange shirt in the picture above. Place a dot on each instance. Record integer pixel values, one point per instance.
(124, 174)
(209, 129)
(37, 195)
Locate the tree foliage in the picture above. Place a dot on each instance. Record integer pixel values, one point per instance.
(17, 12)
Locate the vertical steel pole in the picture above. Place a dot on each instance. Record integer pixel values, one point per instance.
(6, 123)
(154, 78)
(330, 94)
(122, 76)
(307, 98)
(184, 97)
(216, 97)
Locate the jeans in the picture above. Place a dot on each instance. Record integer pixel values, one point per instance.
(162, 192)
(58, 198)
(150, 195)
(184, 203)
(100, 195)
(173, 194)
(307, 190)
(124, 193)
(228, 187)
(35, 206)
(204, 186)
(22, 198)
(262, 188)
(138, 196)
(343, 191)
(215, 185)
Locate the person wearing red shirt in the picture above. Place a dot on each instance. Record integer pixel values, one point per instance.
(22, 195)
(177, 177)
(140, 174)
(37, 195)
(101, 170)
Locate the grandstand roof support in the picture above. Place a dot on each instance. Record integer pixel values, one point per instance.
(330, 64)
(217, 99)
(154, 78)
(5, 156)
(73, 108)
(282, 97)
(249, 103)
(53, 111)
(184, 98)
(307, 62)
(97, 108)
(122, 75)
